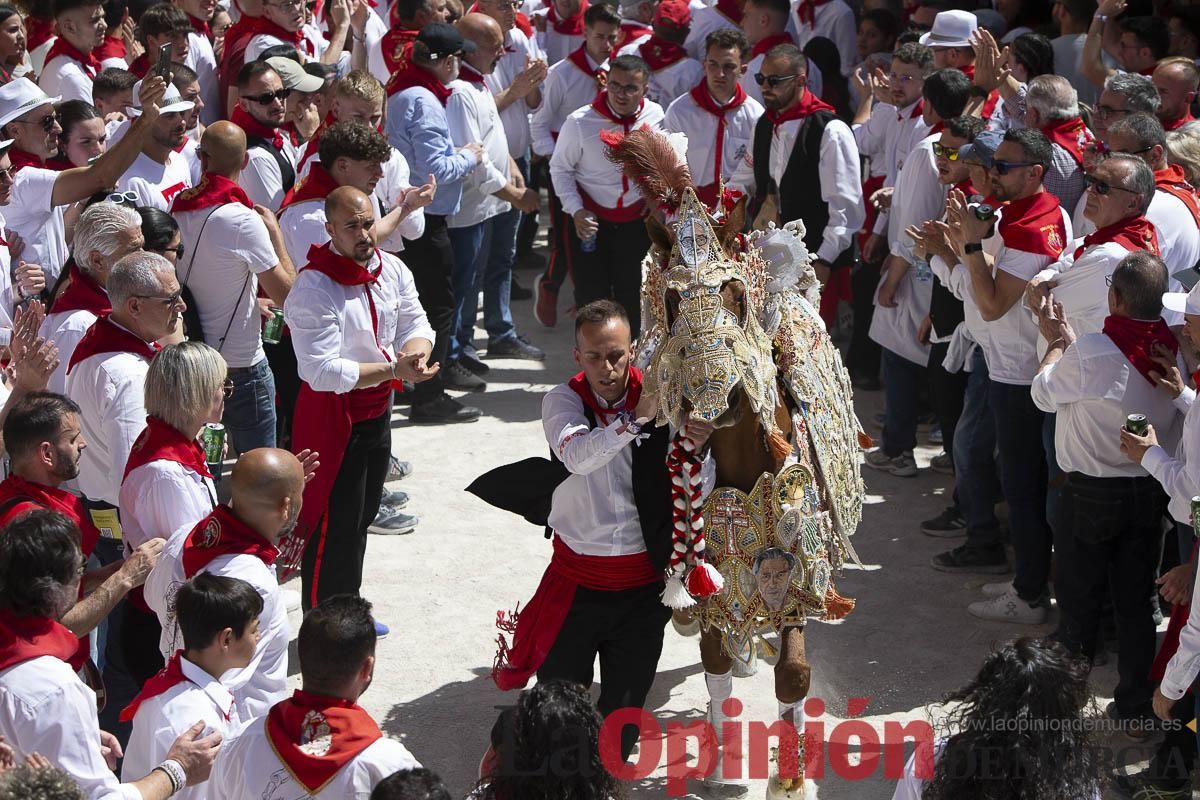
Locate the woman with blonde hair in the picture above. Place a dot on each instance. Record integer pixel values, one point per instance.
(1183, 148)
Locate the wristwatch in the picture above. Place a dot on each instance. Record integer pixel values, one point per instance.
(1101, 17)
(973, 247)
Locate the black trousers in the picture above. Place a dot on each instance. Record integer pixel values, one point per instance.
(282, 360)
(626, 630)
(431, 260)
(864, 354)
(613, 271)
(1109, 538)
(946, 392)
(333, 557)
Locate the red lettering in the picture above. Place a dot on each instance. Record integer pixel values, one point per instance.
(894, 736)
(868, 749)
(678, 770)
(649, 753)
(731, 740)
(786, 739)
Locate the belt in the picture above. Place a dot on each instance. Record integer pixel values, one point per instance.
(238, 370)
(1080, 477)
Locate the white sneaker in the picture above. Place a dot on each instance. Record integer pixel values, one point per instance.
(902, 466)
(1008, 607)
(291, 599)
(996, 588)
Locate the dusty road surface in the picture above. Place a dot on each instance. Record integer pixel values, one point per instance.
(909, 642)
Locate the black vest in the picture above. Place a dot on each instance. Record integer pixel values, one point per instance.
(286, 171)
(800, 189)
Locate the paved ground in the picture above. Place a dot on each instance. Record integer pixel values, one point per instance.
(909, 642)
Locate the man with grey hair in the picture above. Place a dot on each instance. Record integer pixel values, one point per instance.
(105, 233)
(1052, 106)
(1124, 93)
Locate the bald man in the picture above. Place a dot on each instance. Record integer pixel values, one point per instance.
(1176, 80)
(230, 247)
(358, 329)
(239, 541)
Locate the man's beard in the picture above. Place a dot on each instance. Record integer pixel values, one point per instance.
(290, 524)
(66, 467)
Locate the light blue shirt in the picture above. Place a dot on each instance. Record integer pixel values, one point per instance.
(417, 126)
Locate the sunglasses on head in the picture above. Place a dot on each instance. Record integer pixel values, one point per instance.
(772, 80)
(124, 199)
(1004, 167)
(1103, 187)
(269, 97)
(951, 153)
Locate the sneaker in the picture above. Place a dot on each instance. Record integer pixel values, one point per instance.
(291, 599)
(545, 303)
(1145, 786)
(381, 630)
(1008, 607)
(393, 499)
(472, 362)
(902, 466)
(456, 376)
(943, 463)
(965, 558)
(948, 524)
(398, 470)
(518, 292)
(392, 522)
(442, 410)
(935, 434)
(515, 346)
(996, 589)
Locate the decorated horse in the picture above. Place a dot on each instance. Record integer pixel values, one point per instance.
(732, 336)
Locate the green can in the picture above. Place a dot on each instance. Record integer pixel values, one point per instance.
(1196, 516)
(213, 440)
(1137, 424)
(273, 328)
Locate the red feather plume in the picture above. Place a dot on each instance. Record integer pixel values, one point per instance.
(647, 158)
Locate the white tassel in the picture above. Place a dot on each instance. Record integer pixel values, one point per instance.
(675, 595)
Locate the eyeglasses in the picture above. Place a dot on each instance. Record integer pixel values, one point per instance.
(903, 78)
(47, 122)
(1107, 111)
(178, 250)
(1133, 152)
(269, 97)
(227, 388)
(939, 150)
(1004, 167)
(288, 4)
(622, 88)
(1103, 188)
(170, 301)
(772, 80)
(124, 199)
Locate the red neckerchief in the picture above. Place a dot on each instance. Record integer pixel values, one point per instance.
(1071, 135)
(629, 31)
(61, 47)
(106, 337)
(201, 26)
(58, 164)
(470, 74)
(658, 53)
(967, 188)
(290, 131)
(806, 105)
(222, 534)
(763, 45)
(140, 66)
(704, 99)
(338, 267)
(1173, 181)
(25, 638)
(397, 47)
(937, 128)
(918, 110)
(1034, 224)
(111, 47)
(167, 678)
(732, 10)
(313, 145)
(806, 11)
(241, 117)
(38, 31)
(633, 393)
(159, 441)
(213, 190)
(600, 106)
(1178, 122)
(42, 496)
(256, 26)
(293, 724)
(579, 58)
(969, 71)
(989, 105)
(523, 24)
(82, 294)
(571, 26)
(413, 75)
(316, 185)
(1132, 233)
(1136, 338)
(21, 159)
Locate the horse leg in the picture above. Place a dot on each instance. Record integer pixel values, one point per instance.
(718, 678)
(793, 678)
(685, 622)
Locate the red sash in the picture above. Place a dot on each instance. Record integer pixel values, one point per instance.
(111, 47)
(41, 496)
(989, 104)
(1172, 181)
(1071, 135)
(25, 638)
(223, 534)
(240, 117)
(1170, 641)
(571, 26)
(1136, 339)
(61, 47)
(82, 294)
(658, 53)
(316, 185)
(732, 10)
(806, 11)
(969, 71)
(105, 337)
(412, 75)
(167, 678)
(213, 190)
(315, 736)
(159, 441)
(763, 45)
(806, 105)
(704, 100)
(1132, 233)
(1034, 224)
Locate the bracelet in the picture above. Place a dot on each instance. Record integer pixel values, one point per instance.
(972, 247)
(175, 774)
(1099, 16)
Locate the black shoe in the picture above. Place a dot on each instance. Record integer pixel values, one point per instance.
(457, 376)
(473, 363)
(515, 346)
(965, 558)
(1136, 726)
(518, 292)
(867, 384)
(947, 524)
(441, 410)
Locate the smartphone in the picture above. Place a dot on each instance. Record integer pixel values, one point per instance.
(163, 67)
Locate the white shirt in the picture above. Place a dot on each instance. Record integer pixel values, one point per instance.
(670, 82)
(261, 177)
(312, 47)
(331, 323)
(248, 769)
(203, 60)
(1093, 387)
(873, 135)
(841, 180)
(1082, 284)
(156, 184)
(110, 391)
(161, 719)
(473, 117)
(65, 77)
(1178, 237)
(906, 133)
(1185, 664)
(7, 292)
(515, 116)
(190, 153)
(373, 33)
(45, 708)
(685, 116)
(65, 329)
(579, 160)
(835, 21)
(1179, 474)
(37, 221)
(161, 497)
(263, 682)
(221, 268)
(389, 192)
(555, 45)
(704, 22)
(565, 89)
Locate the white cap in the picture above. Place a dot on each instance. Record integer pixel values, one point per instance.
(172, 102)
(20, 96)
(951, 29)
(1184, 303)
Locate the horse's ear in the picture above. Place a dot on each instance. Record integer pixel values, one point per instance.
(661, 236)
(735, 223)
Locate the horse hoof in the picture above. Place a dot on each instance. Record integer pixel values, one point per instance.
(685, 623)
(744, 669)
(718, 787)
(777, 791)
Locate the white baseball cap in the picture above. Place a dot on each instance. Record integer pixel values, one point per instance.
(294, 77)
(19, 97)
(1186, 303)
(172, 102)
(951, 29)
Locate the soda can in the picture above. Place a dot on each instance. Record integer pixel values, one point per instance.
(1137, 424)
(272, 330)
(213, 440)
(1196, 516)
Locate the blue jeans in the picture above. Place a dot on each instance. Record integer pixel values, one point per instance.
(496, 282)
(900, 380)
(250, 412)
(975, 458)
(469, 256)
(1023, 480)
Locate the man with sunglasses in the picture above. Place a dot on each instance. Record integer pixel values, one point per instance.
(765, 23)
(272, 152)
(284, 22)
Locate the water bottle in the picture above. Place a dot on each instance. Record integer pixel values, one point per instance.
(924, 272)
(588, 245)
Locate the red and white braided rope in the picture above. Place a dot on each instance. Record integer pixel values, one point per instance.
(683, 464)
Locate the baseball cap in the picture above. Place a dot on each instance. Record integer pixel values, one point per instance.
(1186, 303)
(171, 103)
(19, 97)
(673, 14)
(983, 149)
(294, 77)
(444, 40)
(951, 29)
